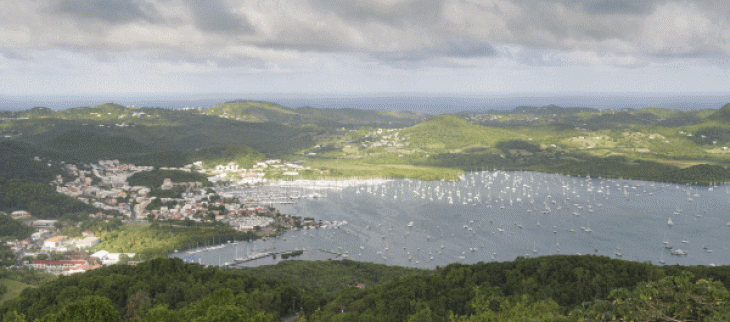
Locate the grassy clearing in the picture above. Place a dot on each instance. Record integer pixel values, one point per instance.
(353, 168)
(159, 239)
(14, 288)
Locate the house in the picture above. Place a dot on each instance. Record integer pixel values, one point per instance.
(167, 184)
(44, 223)
(19, 214)
(48, 264)
(39, 235)
(108, 258)
(81, 268)
(88, 242)
(100, 254)
(54, 242)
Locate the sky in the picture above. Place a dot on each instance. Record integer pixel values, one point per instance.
(369, 47)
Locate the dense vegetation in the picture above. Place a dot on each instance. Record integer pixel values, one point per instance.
(115, 131)
(586, 165)
(41, 200)
(13, 229)
(660, 143)
(241, 154)
(27, 276)
(211, 156)
(329, 278)
(17, 160)
(162, 238)
(89, 145)
(551, 288)
(7, 257)
(154, 179)
(255, 111)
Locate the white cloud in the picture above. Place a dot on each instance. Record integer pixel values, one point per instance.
(4, 63)
(266, 54)
(677, 29)
(591, 58)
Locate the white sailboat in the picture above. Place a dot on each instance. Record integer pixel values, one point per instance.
(669, 222)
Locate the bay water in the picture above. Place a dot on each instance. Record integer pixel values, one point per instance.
(499, 216)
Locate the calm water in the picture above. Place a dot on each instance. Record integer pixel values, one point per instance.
(393, 102)
(498, 216)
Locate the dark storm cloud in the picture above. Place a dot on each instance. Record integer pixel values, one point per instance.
(467, 48)
(619, 7)
(110, 11)
(410, 12)
(215, 17)
(422, 19)
(15, 55)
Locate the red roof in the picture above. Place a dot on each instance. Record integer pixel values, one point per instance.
(85, 267)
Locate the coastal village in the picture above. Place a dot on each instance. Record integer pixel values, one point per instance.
(241, 203)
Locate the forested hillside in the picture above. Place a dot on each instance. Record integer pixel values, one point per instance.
(648, 144)
(115, 131)
(41, 200)
(18, 160)
(549, 288)
(257, 111)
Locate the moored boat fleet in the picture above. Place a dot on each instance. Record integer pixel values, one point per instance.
(508, 214)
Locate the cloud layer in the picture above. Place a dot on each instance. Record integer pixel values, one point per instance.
(382, 29)
(397, 38)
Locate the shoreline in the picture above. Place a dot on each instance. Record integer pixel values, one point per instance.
(347, 182)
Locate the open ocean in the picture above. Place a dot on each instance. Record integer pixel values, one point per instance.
(422, 104)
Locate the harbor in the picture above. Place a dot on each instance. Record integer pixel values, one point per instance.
(499, 216)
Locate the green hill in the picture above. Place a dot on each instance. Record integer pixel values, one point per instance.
(37, 112)
(723, 114)
(17, 160)
(41, 200)
(154, 179)
(547, 288)
(13, 229)
(251, 111)
(257, 111)
(115, 131)
(90, 145)
(448, 131)
(350, 116)
(552, 109)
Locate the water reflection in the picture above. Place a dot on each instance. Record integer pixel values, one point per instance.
(501, 215)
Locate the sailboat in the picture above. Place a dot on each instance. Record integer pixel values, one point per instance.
(669, 222)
